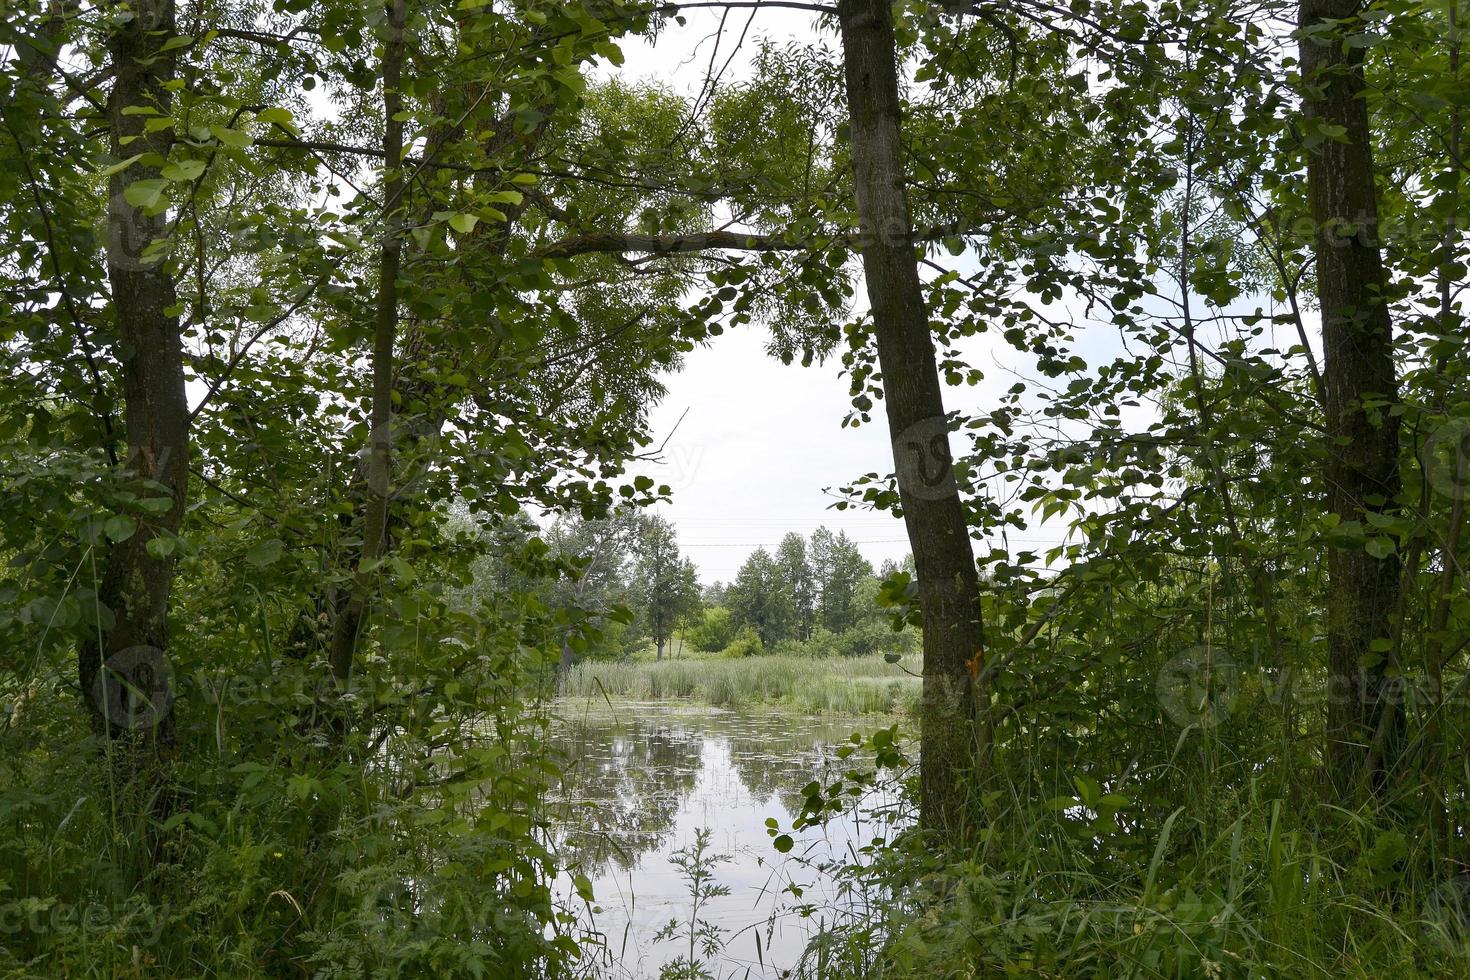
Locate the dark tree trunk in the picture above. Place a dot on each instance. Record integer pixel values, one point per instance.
(954, 733)
(1364, 714)
(131, 694)
(385, 336)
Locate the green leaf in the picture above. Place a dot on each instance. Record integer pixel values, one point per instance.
(266, 552)
(184, 171)
(463, 223)
(121, 165)
(160, 548)
(119, 527)
(1380, 547)
(784, 843)
(145, 194)
(276, 116)
(230, 137)
(609, 50)
(583, 885)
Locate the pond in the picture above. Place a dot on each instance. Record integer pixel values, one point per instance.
(643, 779)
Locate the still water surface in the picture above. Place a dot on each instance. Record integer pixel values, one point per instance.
(643, 778)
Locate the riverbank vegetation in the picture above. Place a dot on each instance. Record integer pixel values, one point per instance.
(844, 688)
(815, 598)
(331, 332)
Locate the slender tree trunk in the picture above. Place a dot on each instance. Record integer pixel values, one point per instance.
(954, 735)
(411, 433)
(1364, 713)
(564, 666)
(123, 671)
(385, 335)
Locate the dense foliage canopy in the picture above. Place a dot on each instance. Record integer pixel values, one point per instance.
(330, 335)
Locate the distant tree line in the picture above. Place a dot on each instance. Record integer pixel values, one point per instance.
(619, 581)
(815, 595)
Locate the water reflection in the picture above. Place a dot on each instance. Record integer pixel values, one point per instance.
(641, 779)
(625, 784)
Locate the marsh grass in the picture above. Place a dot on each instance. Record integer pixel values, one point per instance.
(821, 686)
(1219, 887)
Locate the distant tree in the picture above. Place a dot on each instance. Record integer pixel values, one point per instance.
(842, 568)
(891, 567)
(714, 593)
(819, 560)
(601, 549)
(799, 583)
(758, 599)
(665, 586)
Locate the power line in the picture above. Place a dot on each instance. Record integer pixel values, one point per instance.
(775, 544)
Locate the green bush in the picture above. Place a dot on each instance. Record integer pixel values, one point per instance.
(872, 636)
(823, 643)
(747, 643)
(714, 631)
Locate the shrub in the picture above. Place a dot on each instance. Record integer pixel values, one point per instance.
(869, 637)
(747, 643)
(714, 630)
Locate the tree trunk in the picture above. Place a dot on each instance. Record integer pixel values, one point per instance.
(1364, 713)
(954, 735)
(123, 671)
(385, 335)
(564, 666)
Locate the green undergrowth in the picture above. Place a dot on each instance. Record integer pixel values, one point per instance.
(1102, 882)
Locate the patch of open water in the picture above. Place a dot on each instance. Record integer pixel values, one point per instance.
(643, 778)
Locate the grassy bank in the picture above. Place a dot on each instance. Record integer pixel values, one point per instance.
(829, 685)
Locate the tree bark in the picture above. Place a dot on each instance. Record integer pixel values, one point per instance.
(954, 731)
(1364, 713)
(122, 670)
(385, 335)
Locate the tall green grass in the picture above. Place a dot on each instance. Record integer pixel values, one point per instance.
(826, 686)
(1223, 885)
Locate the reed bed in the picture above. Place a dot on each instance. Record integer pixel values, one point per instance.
(819, 686)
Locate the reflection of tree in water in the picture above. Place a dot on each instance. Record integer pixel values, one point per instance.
(625, 782)
(779, 764)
